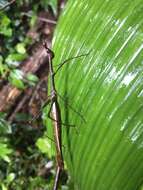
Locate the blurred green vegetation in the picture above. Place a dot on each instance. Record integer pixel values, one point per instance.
(14, 25)
(26, 161)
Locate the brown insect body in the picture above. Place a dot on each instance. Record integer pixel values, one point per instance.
(56, 114)
(56, 117)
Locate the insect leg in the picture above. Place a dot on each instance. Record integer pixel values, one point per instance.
(58, 172)
(49, 116)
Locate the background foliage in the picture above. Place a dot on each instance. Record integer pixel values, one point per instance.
(24, 152)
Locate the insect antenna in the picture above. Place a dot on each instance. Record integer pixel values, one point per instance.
(68, 60)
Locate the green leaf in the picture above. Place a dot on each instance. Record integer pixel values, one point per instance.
(10, 178)
(33, 79)
(5, 21)
(5, 28)
(106, 87)
(14, 59)
(20, 47)
(44, 145)
(1, 59)
(6, 32)
(5, 151)
(3, 69)
(4, 127)
(16, 77)
(3, 186)
(33, 20)
(53, 4)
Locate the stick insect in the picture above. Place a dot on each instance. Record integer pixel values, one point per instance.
(56, 117)
(56, 114)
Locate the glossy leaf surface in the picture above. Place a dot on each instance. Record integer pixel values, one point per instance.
(107, 88)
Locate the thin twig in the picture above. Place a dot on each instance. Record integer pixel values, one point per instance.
(47, 20)
(40, 18)
(7, 5)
